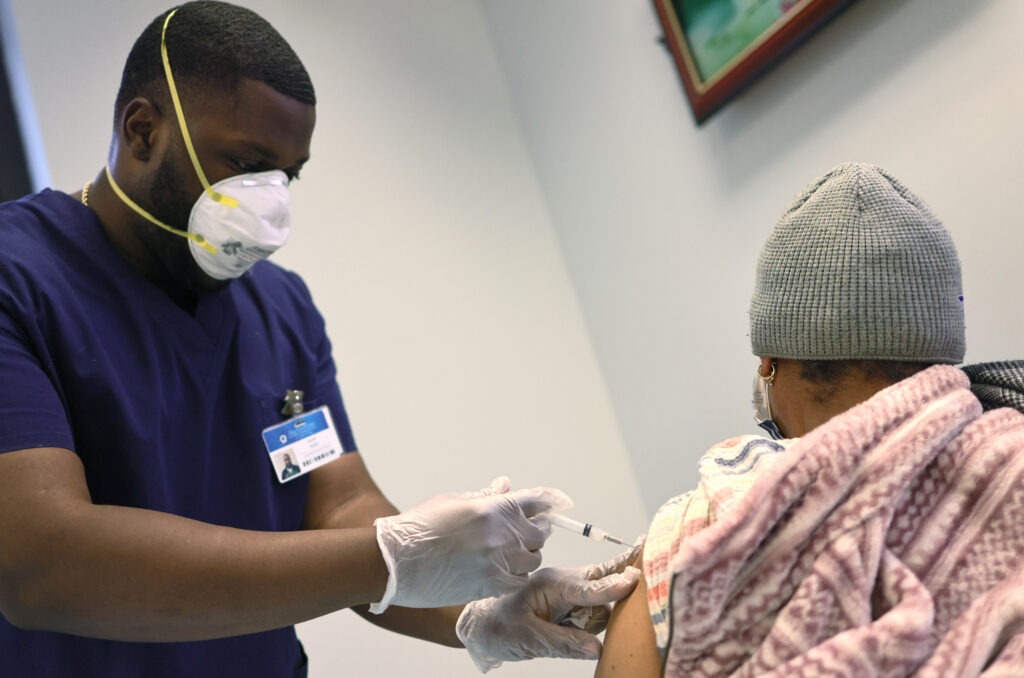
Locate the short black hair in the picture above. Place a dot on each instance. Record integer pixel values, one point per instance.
(215, 44)
(826, 376)
(831, 371)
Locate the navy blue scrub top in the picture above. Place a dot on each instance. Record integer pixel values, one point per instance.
(164, 408)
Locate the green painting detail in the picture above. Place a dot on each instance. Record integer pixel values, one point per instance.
(718, 30)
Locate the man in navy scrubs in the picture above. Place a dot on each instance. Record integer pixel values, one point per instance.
(152, 362)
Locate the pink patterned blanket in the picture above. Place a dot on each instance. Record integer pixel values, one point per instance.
(887, 542)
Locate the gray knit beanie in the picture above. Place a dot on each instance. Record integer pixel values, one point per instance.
(858, 268)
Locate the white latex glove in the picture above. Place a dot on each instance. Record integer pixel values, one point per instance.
(454, 548)
(535, 620)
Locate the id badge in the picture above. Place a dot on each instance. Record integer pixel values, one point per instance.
(302, 443)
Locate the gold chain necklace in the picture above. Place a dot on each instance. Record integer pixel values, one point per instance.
(85, 193)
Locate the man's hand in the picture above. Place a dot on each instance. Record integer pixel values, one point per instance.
(456, 548)
(541, 619)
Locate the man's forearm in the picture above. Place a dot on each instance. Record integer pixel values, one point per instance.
(436, 625)
(137, 575)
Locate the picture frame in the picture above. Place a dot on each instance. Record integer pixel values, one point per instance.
(722, 46)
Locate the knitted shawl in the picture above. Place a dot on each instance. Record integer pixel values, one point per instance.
(887, 542)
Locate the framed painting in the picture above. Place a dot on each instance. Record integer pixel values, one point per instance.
(721, 46)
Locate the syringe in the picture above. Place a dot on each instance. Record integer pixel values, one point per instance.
(586, 529)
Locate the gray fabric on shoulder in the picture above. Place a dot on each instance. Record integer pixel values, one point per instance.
(998, 384)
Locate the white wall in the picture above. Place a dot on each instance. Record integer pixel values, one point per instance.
(423, 234)
(660, 222)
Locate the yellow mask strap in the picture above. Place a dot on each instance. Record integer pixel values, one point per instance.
(194, 237)
(219, 197)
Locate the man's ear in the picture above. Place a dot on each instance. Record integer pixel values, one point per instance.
(765, 369)
(141, 123)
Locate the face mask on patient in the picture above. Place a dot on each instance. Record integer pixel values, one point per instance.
(762, 406)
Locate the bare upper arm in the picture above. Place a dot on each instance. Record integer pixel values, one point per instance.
(342, 494)
(630, 650)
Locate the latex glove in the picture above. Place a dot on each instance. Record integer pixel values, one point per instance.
(535, 621)
(454, 548)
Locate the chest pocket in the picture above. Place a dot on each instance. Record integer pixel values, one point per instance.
(272, 409)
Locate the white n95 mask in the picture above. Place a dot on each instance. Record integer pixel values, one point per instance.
(242, 235)
(234, 223)
(228, 234)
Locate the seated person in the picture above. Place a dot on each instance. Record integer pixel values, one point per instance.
(829, 549)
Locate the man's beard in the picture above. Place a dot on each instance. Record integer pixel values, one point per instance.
(172, 204)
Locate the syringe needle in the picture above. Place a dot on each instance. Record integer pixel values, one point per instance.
(585, 529)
